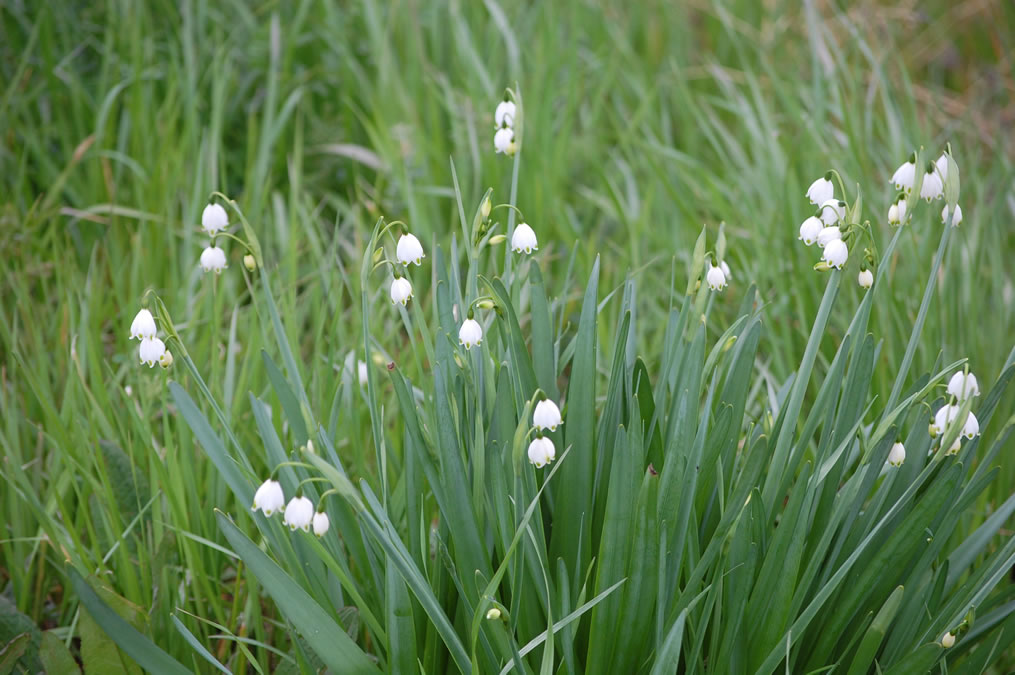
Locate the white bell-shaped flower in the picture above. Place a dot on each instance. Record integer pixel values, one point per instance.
(955, 447)
(897, 455)
(213, 259)
(904, 176)
(836, 253)
(958, 215)
(963, 386)
(214, 219)
(401, 291)
(832, 211)
(523, 239)
(299, 513)
(932, 187)
(541, 451)
(865, 279)
(897, 213)
(409, 250)
(941, 164)
(361, 373)
(504, 116)
(167, 359)
(504, 141)
(269, 498)
(470, 334)
(828, 234)
(321, 523)
(821, 190)
(945, 415)
(947, 640)
(971, 427)
(546, 415)
(810, 229)
(143, 325)
(715, 278)
(151, 351)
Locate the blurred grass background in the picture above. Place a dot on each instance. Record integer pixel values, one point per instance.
(642, 121)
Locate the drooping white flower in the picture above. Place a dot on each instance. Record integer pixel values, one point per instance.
(470, 334)
(214, 219)
(958, 215)
(897, 213)
(905, 174)
(213, 259)
(546, 415)
(836, 253)
(715, 278)
(361, 373)
(151, 351)
(832, 211)
(541, 451)
(167, 359)
(505, 114)
(299, 513)
(942, 167)
(963, 386)
(523, 239)
(409, 250)
(947, 640)
(269, 498)
(932, 188)
(321, 523)
(725, 270)
(143, 325)
(865, 279)
(810, 229)
(971, 427)
(945, 415)
(897, 455)
(956, 446)
(821, 190)
(504, 141)
(401, 291)
(828, 234)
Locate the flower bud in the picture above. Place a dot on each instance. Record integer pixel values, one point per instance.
(249, 262)
(167, 359)
(897, 455)
(947, 640)
(486, 208)
(493, 614)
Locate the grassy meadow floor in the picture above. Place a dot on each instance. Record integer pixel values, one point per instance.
(642, 122)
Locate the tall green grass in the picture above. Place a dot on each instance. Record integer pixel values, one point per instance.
(641, 123)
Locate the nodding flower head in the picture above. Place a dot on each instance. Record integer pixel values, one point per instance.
(932, 187)
(213, 259)
(947, 640)
(963, 385)
(143, 325)
(832, 211)
(299, 513)
(821, 190)
(214, 219)
(504, 141)
(715, 277)
(546, 415)
(897, 455)
(836, 253)
(152, 351)
(958, 215)
(865, 279)
(321, 523)
(167, 359)
(401, 291)
(524, 239)
(541, 451)
(269, 498)
(470, 334)
(903, 177)
(409, 250)
(504, 116)
(810, 229)
(971, 427)
(828, 234)
(897, 212)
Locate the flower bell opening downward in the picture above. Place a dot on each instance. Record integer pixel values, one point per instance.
(409, 250)
(214, 219)
(897, 455)
(151, 351)
(832, 211)
(821, 190)
(299, 513)
(865, 279)
(213, 259)
(167, 360)
(932, 187)
(971, 427)
(715, 277)
(143, 326)
(546, 415)
(828, 234)
(903, 177)
(269, 498)
(504, 116)
(471, 333)
(504, 141)
(963, 385)
(401, 291)
(942, 418)
(897, 212)
(836, 253)
(958, 215)
(809, 230)
(541, 451)
(947, 640)
(321, 523)
(524, 239)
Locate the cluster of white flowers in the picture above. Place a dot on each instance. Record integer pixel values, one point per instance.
(961, 386)
(152, 350)
(935, 176)
(299, 512)
(823, 228)
(504, 120)
(213, 221)
(546, 416)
